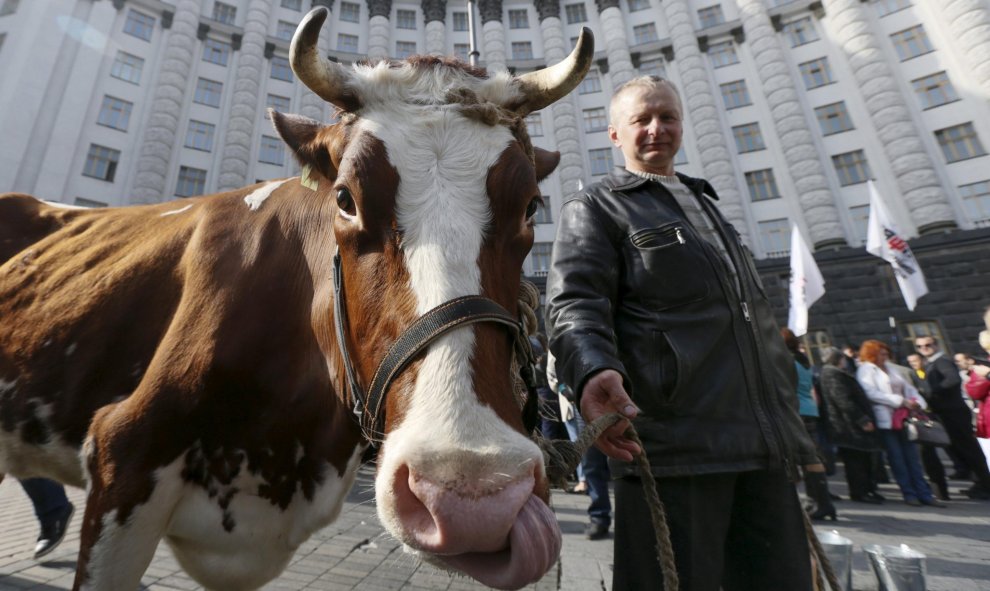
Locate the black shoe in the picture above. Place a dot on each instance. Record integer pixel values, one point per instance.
(977, 493)
(596, 531)
(53, 533)
(867, 499)
(877, 496)
(822, 514)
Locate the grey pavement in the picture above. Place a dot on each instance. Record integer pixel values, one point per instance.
(355, 553)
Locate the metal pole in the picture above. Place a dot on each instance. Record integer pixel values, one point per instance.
(473, 45)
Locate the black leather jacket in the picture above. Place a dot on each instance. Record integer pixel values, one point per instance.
(633, 287)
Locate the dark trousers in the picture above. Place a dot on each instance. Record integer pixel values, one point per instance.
(859, 471)
(47, 496)
(958, 424)
(741, 531)
(934, 469)
(597, 475)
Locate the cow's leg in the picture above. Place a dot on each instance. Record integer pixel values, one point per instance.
(127, 506)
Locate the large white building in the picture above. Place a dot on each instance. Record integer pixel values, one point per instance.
(790, 106)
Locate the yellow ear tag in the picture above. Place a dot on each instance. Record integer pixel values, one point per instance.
(308, 181)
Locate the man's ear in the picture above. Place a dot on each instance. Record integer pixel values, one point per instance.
(309, 140)
(546, 162)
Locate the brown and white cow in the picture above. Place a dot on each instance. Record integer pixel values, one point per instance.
(186, 352)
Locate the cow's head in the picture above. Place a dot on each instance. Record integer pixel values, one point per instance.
(434, 181)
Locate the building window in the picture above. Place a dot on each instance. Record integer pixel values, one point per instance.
(934, 90)
(748, 138)
(723, 54)
(281, 69)
(348, 43)
(462, 51)
(775, 236)
(460, 21)
(207, 92)
(9, 7)
(601, 160)
(115, 113)
(272, 151)
(542, 215)
(101, 162)
(591, 83)
(801, 31)
(199, 136)
(575, 13)
(284, 30)
(127, 67)
(595, 119)
(735, 94)
(834, 118)
(710, 16)
(539, 257)
(925, 328)
(224, 13)
(976, 201)
(851, 167)
(534, 124)
(654, 67)
(139, 25)
(350, 12)
(911, 42)
(216, 52)
(860, 216)
(192, 182)
(522, 50)
(637, 5)
(83, 202)
(815, 341)
(404, 49)
(292, 4)
(279, 103)
(405, 19)
(762, 185)
(816, 73)
(959, 142)
(519, 19)
(645, 33)
(885, 7)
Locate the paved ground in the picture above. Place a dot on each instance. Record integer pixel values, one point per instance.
(353, 553)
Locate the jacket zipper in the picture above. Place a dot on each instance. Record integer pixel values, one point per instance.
(641, 237)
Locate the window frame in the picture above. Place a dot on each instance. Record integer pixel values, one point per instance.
(807, 74)
(203, 130)
(580, 13)
(206, 87)
(904, 40)
(101, 158)
(272, 148)
(215, 47)
(346, 13)
(109, 116)
(733, 89)
(607, 159)
(852, 168)
(280, 65)
(405, 19)
(926, 92)
(139, 25)
(762, 185)
(748, 137)
(185, 180)
(834, 118)
(966, 137)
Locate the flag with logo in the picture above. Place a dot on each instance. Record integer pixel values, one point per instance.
(807, 283)
(884, 240)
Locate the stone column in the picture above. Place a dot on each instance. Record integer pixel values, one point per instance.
(699, 102)
(804, 163)
(492, 34)
(251, 69)
(434, 13)
(379, 32)
(620, 67)
(155, 153)
(969, 23)
(570, 171)
(913, 167)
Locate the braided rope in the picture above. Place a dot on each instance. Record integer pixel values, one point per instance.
(821, 558)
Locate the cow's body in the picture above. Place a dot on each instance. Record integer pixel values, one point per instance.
(182, 360)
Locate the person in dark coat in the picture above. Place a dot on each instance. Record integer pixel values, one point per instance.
(853, 425)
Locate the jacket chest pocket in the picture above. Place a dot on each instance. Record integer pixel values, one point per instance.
(670, 267)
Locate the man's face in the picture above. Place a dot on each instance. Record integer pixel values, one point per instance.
(925, 345)
(914, 361)
(646, 125)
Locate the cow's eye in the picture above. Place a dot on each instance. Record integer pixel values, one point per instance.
(533, 206)
(344, 201)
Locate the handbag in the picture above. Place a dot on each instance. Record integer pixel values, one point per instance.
(926, 430)
(898, 417)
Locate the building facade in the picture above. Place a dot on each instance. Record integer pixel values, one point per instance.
(790, 106)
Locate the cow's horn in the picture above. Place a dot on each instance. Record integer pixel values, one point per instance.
(327, 79)
(544, 87)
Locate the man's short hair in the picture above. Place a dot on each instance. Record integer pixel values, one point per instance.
(648, 82)
(831, 356)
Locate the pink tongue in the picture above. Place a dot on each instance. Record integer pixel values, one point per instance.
(534, 546)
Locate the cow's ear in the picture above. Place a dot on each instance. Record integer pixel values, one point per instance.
(546, 162)
(309, 140)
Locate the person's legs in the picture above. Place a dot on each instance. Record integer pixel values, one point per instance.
(857, 464)
(766, 546)
(895, 455)
(697, 509)
(596, 474)
(935, 470)
(958, 425)
(915, 473)
(53, 510)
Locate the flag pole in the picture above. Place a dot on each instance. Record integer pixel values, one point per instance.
(473, 47)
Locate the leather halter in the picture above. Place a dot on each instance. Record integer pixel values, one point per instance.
(426, 329)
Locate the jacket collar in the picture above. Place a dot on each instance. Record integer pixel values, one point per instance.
(620, 179)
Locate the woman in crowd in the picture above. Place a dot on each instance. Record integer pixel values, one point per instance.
(853, 425)
(978, 388)
(888, 391)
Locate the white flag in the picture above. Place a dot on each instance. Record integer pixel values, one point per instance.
(884, 240)
(807, 284)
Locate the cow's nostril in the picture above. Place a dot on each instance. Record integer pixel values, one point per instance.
(411, 510)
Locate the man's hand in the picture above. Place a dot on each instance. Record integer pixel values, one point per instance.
(868, 427)
(603, 394)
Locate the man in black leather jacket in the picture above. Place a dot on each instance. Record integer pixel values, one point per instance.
(656, 311)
